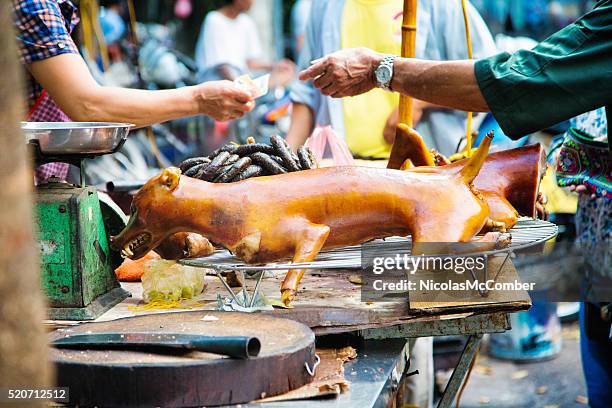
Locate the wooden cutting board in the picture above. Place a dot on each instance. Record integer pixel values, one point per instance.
(140, 379)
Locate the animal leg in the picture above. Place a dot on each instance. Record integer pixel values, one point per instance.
(502, 213)
(452, 234)
(308, 245)
(488, 242)
(495, 225)
(493, 240)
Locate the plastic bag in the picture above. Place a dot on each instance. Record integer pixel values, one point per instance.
(168, 280)
(321, 137)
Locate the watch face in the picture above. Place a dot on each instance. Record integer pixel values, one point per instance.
(383, 74)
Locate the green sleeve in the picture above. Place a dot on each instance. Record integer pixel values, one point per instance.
(563, 76)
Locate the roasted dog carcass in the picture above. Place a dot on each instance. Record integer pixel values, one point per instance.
(295, 215)
(509, 180)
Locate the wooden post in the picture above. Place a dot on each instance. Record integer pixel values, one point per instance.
(408, 144)
(408, 51)
(23, 342)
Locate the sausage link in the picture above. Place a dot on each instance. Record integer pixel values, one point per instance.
(284, 153)
(313, 159)
(252, 171)
(221, 172)
(248, 149)
(304, 158)
(194, 161)
(193, 171)
(236, 168)
(230, 147)
(268, 163)
(209, 172)
(232, 159)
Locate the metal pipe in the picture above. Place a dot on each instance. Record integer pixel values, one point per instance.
(233, 346)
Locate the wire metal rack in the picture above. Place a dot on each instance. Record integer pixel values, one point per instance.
(525, 234)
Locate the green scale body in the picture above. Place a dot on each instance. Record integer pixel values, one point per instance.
(77, 265)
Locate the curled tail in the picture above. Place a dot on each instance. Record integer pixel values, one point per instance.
(471, 169)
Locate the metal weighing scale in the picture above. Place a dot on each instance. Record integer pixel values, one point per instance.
(73, 224)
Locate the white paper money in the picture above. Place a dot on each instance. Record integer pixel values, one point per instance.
(259, 86)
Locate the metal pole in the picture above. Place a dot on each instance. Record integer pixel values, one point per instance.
(456, 379)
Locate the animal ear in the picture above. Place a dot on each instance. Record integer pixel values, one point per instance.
(170, 178)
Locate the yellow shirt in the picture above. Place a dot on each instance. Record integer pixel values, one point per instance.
(375, 24)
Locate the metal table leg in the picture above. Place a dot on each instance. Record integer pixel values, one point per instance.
(456, 379)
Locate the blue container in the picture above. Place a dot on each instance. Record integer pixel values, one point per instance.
(535, 335)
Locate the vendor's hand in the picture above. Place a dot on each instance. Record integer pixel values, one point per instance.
(223, 100)
(347, 72)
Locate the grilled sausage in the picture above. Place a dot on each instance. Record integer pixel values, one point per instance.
(194, 161)
(282, 150)
(209, 172)
(268, 163)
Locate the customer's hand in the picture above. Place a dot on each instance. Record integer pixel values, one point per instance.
(347, 72)
(283, 73)
(284, 65)
(391, 127)
(583, 189)
(541, 211)
(223, 100)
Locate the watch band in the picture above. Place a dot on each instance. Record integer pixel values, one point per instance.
(388, 63)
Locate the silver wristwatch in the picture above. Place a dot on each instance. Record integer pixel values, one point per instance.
(384, 73)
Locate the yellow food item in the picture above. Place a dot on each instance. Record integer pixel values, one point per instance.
(165, 305)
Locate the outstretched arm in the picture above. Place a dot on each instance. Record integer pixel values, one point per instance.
(447, 83)
(302, 122)
(351, 72)
(563, 76)
(69, 82)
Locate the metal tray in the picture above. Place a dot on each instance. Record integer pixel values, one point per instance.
(76, 138)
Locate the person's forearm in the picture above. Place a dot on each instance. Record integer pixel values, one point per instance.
(446, 83)
(68, 81)
(142, 108)
(87, 101)
(302, 120)
(351, 72)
